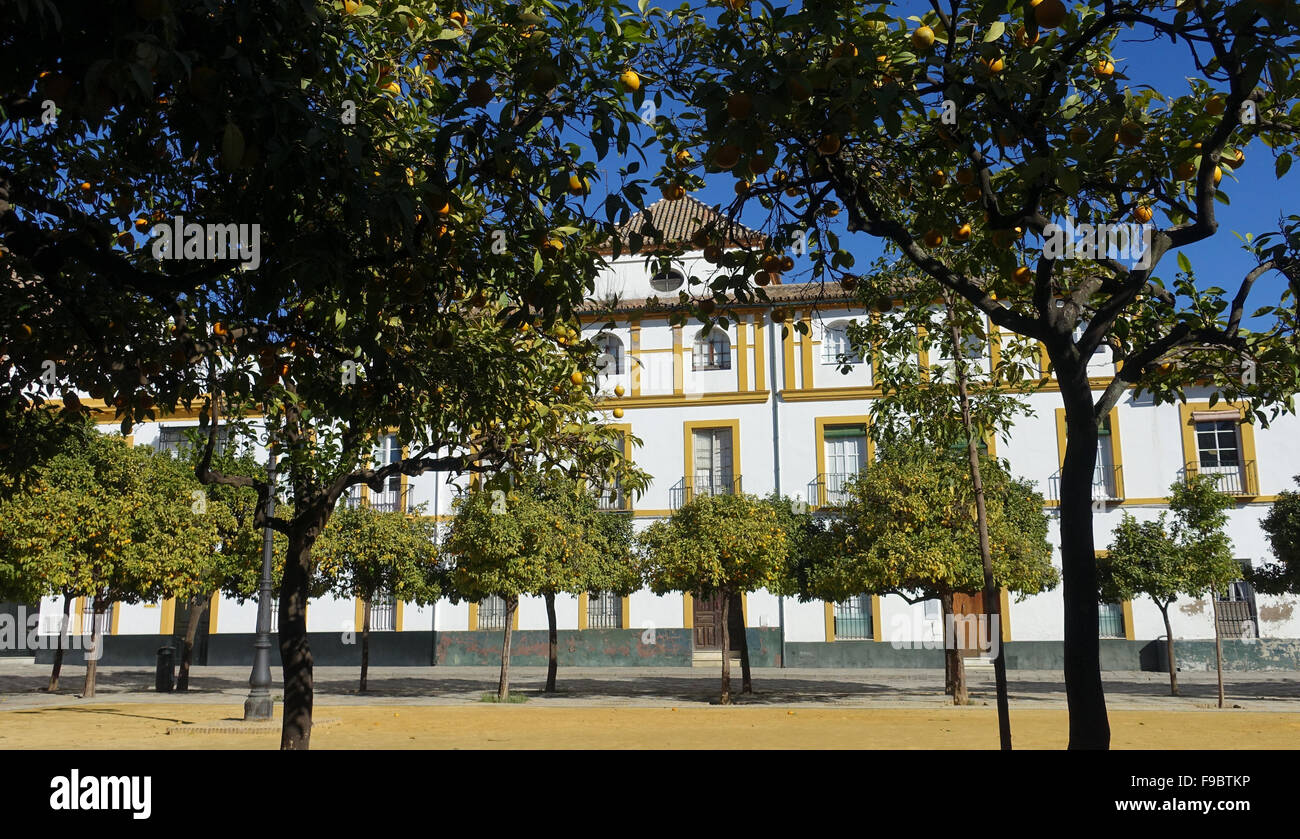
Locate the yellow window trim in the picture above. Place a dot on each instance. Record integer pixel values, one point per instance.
(688, 447)
(787, 353)
(742, 356)
(212, 613)
(1192, 461)
(806, 357)
(688, 611)
(1116, 446)
(634, 353)
(117, 614)
(877, 625)
(166, 623)
(820, 425)
(624, 609)
(760, 356)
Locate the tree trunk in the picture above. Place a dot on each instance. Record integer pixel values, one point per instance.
(954, 667)
(724, 597)
(295, 652)
(503, 685)
(1218, 644)
(1169, 648)
(92, 657)
(1085, 695)
(992, 598)
(58, 652)
(738, 626)
(553, 643)
(196, 608)
(365, 642)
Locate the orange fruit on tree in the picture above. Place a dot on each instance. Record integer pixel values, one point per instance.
(1104, 68)
(458, 18)
(787, 263)
(759, 163)
(1079, 134)
(922, 38)
(1214, 105)
(683, 158)
(965, 177)
(936, 178)
(742, 187)
(772, 263)
(962, 233)
(673, 192)
(576, 378)
(933, 238)
(1048, 13)
(797, 88)
(618, 390)
(1022, 275)
(971, 193)
(1022, 37)
(763, 277)
(1142, 214)
(1235, 159)
(630, 80)
(1218, 175)
(350, 7)
(739, 106)
(1130, 133)
(1184, 170)
(828, 145)
(995, 65)
(727, 156)
(579, 186)
(479, 93)
(845, 50)
(85, 186)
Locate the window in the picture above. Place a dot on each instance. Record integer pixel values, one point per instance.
(1236, 608)
(88, 624)
(1107, 475)
(713, 461)
(1110, 621)
(177, 439)
(604, 610)
(933, 610)
(853, 619)
(610, 360)
(610, 495)
(492, 613)
(383, 613)
(390, 499)
(835, 343)
(846, 456)
(667, 280)
(1103, 477)
(712, 351)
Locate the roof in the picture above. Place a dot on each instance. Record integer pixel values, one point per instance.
(676, 221)
(800, 294)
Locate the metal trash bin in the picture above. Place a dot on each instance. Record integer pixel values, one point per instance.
(165, 679)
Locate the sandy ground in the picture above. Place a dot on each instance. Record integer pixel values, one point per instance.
(140, 725)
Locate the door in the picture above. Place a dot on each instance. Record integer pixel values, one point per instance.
(707, 612)
(967, 609)
(846, 454)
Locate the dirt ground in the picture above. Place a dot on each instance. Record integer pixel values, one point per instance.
(145, 726)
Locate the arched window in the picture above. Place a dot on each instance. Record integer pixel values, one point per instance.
(712, 351)
(610, 360)
(835, 342)
(667, 281)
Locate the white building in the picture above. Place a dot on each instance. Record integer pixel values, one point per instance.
(747, 409)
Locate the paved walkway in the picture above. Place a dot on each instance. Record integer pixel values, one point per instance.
(22, 685)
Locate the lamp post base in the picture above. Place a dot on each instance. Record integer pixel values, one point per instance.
(258, 706)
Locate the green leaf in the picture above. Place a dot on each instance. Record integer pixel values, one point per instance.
(1184, 263)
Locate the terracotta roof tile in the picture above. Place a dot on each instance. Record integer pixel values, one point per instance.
(676, 221)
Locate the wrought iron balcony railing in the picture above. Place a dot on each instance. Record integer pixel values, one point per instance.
(829, 489)
(383, 502)
(703, 484)
(1242, 479)
(1107, 484)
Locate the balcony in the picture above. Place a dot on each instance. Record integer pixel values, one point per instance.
(380, 502)
(612, 499)
(1107, 484)
(829, 489)
(1242, 480)
(703, 484)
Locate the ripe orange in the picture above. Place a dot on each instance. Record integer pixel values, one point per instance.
(933, 238)
(85, 186)
(618, 413)
(797, 88)
(962, 233)
(1105, 68)
(350, 7)
(936, 178)
(579, 186)
(1214, 105)
(759, 163)
(845, 50)
(922, 38)
(787, 263)
(630, 80)
(479, 93)
(1022, 275)
(1218, 175)
(1142, 214)
(458, 18)
(576, 378)
(995, 65)
(1022, 37)
(713, 254)
(830, 144)
(1184, 170)
(739, 106)
(673, 192)
(1234, 159)
(971, 193)
(727, 156)
(1048, 13)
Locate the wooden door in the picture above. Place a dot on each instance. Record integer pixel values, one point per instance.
(971, 605)
(707, 612)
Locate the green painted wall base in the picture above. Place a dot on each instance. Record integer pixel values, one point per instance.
(577, 648)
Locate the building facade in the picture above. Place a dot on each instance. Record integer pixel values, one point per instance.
(757, 408)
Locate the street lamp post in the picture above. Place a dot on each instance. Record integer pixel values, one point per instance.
(258, 705)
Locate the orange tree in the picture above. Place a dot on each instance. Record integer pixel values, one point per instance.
(718, 544)
(420, 181)
(109, 521)
(364, 553)
(959, 136)
(541, 535)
